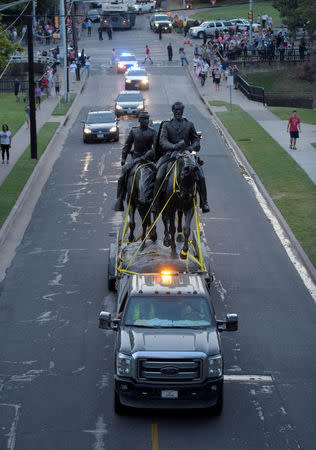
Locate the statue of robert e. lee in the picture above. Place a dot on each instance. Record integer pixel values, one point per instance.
(143, 138)
(179, 134)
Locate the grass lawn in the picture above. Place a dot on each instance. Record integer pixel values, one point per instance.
(235, 11)
(306, 115)
(280, 81)
(64, 106)
(314, 144)
(15, 181)
(11, 112)
(292, 190)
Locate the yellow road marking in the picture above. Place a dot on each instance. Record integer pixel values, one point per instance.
(154, 436)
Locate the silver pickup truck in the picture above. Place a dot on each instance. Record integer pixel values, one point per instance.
(168, 350)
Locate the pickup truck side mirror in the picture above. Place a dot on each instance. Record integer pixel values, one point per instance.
(231, 322)
(105, 320)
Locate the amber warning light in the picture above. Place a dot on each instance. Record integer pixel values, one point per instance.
(166, 277)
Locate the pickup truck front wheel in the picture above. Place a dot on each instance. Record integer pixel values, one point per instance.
(118, 407)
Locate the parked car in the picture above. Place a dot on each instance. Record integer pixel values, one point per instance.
(93, 15)
(161, 19)
(244, 24)
(125, 61)
(129, 103)
(100, 126)
(136, 78)
(210, 27)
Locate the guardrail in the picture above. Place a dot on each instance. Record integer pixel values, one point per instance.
(251, 92)
(264, 56)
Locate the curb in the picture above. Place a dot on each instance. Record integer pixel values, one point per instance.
(35, 175)
(233, 147)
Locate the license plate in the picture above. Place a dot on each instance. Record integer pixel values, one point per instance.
(129, 110)
(100, 135)
(169, 394)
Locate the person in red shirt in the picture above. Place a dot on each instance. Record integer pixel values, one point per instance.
(147, 55)
(294, 125)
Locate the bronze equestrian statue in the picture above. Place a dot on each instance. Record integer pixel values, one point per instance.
(177, 135)
(143, 138)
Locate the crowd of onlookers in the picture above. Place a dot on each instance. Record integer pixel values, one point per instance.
(44, 31)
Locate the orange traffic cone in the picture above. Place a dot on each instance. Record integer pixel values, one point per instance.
(190, 44)
(185, 42)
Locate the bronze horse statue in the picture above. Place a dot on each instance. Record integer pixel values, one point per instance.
(178, 195)
(140, 187)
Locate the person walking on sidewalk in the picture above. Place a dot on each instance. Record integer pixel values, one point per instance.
(183, 57)
(87, 66)
(38, 96)
(73, 68)
(27, 114)
(5, 140)
(170, 51)
(89, 26)
(17, 86)
(294, 125)
(147, 55)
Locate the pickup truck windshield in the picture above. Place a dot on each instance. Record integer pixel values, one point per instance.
(168, 312)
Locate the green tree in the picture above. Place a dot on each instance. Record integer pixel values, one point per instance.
(297, 13)
(7, 49)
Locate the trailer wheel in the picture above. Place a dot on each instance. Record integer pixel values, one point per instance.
(111, 268)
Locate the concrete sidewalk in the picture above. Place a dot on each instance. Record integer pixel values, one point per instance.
(305, 155)
(21, 139)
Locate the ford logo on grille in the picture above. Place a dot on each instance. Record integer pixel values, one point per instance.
(169, 370)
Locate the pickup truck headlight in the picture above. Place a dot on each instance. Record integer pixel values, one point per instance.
(140, 106)
(128, 81)
(87, 131)
(112, 130)
(145, 80)
(123, 365)
(215, 366)
(170, 24)
(118, 107)
(156, 24)
(121, 65)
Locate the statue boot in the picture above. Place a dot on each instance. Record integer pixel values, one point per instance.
(203, 195)
(119, 204)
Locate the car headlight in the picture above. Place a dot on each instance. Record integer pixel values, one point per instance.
(145, 80)
(170, 24)
(215, 366)
(156, 25)
(128, 81)
(123, 365)
(112, 130)
(87, 131)
(194, 30)
(118, 107)
(121, 65)
(140, 106)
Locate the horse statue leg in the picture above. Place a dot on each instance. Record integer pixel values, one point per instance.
(172, 230)
(179, 228)
(166, 240)
(186, 232)
(131, 221)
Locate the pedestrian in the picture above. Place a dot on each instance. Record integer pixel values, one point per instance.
(217, 77)
(147, 55)
(259, 19)
(183, 57)
(45, 85)
(87, 66)
(302, 49)
(83, 28)
(57, 85)
(204, 37)
(73, 68)
(89, 27)
(100, 29)
(38, 96)
(110, 31)
(270, 22)
(294, 125)
(203, 73)
(235, 74)
(264, 20)
(17, 87)
(27, 114)
(82, 58)
(113, 57)
(5, 139)
(160, 31)
(170, 51)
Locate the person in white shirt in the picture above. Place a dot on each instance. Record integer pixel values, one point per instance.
(87, 66)
(73, 68)
(5, 140)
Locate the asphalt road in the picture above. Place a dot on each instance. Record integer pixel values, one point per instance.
(56, 382)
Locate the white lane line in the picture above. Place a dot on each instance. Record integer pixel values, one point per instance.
(12, 433)
(249, 378)
(99, 433)
(223, 253)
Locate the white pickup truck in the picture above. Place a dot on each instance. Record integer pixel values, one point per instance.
(143, 7)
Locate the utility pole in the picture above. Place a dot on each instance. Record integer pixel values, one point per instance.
(29, 22)
(250, 16)
(75, 36)
(62, 23)
(34, 13)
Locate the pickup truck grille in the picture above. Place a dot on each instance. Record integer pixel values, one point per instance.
(169, 370)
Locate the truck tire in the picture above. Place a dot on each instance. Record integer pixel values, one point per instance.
(119, 409)
(111, 268)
